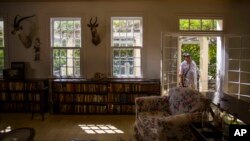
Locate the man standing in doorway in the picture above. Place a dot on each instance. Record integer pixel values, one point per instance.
(188, 72)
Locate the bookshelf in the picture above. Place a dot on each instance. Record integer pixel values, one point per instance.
(111, 96)
(76, 96)
(122, 94)
(30, 95)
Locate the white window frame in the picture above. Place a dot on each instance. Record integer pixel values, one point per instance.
(3, 19)
(52, 48)
(119, 47)
(200, 17)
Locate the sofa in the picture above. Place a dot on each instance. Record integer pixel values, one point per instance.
(167, 118)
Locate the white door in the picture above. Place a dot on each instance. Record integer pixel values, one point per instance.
(238, 68)
(169, 62)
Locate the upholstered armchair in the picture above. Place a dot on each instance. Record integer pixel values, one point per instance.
(167, 118)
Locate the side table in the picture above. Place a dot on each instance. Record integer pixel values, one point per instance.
(19, 134)
(211, 133)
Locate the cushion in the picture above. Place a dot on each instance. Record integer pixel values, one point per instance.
(184, 100)
(150, 119)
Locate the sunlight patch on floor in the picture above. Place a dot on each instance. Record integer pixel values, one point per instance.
(100, 129)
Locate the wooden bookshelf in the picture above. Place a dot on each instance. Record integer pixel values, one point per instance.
(122, 93)
(30, 95)
(77, 96)
(112, 96)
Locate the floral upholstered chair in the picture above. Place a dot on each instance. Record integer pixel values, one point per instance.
(167, 118)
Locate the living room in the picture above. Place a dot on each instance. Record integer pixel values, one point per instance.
(90, 59)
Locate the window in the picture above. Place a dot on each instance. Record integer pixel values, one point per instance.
(196, 24)
(1, 46)
(65, 44)
(238, 66)
(126, 44)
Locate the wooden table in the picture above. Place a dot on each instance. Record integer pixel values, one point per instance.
(19, 134)
(210, 134)
(231, 105)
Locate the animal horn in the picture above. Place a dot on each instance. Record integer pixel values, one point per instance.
(20, 20)
(90, 22)
(95, 20)
(15, 25)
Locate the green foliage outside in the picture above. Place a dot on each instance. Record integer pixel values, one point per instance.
(67, 30)
(212, 60)
(194, 50)
(200, 24)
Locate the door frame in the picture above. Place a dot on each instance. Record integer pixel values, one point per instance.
(221, 59)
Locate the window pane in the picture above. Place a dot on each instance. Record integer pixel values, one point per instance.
(76, 63)
(201, 24)
(1, 46)
(126, 32)
(218, 25)
(124, 65)
(1, 61)
(184, 24)
(66, 62)
(1, 33)
(66, 32)
(207, 24)
(1, 54)
(195, 24)
(77, 72)
(116, 53)
(76, 53)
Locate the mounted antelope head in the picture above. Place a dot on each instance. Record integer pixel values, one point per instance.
(93, 28)
(18, 29)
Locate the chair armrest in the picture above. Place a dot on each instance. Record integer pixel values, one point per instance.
(152, 103)
(176, 127)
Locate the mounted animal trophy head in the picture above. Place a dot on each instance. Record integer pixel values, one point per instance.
(18, 29)
(93, 28)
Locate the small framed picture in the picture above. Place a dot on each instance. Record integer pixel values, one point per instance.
(18, 65)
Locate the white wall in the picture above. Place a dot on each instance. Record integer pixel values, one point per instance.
(158, 16)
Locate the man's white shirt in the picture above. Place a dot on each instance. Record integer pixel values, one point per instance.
(191, 73)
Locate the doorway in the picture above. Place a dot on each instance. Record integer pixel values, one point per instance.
(204, 51)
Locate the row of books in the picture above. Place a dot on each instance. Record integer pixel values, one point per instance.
(120, 87)
(3, 96)
(122, 109)
(81, 98)
(102, 87)
(124, 98)
(33, 97)
(35, 107)
(13, 107)
(5, 86)
(79, 87)
(19, 97)
(83, 109)
(94, 109)
(19, 107)
(16, 86)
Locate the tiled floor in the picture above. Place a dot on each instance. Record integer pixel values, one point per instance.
(66, 127)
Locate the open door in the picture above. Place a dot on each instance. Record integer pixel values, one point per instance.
(238, 68)
(169, 62)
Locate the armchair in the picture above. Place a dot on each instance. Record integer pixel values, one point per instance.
(167, 118)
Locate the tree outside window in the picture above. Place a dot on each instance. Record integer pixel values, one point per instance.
(65, 44)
